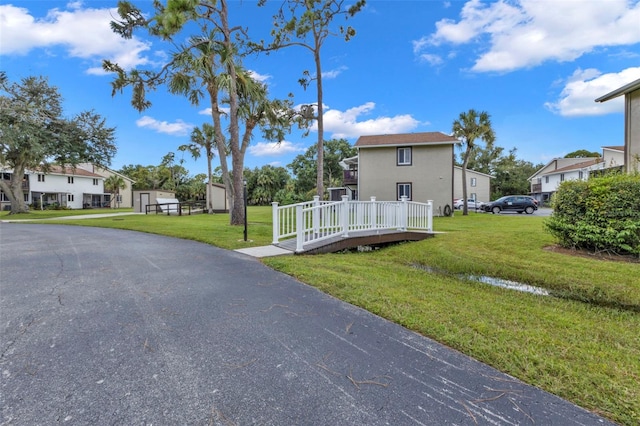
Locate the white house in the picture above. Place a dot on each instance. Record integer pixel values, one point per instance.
(68, 187)
(65, 187)
(613, 156)
(545, 181)
(125, 195)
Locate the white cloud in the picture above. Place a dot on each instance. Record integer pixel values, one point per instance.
(207, 111)
(333, 73)
(177, 128)
(83, 33)
(265, 149)
(259, 77)
(584, 86)
(526, 33)
(346, 125)
(433, 60)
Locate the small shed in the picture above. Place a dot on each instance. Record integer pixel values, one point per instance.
(143, 198)
(219, 198)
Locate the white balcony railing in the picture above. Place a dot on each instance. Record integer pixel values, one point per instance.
(320, 220)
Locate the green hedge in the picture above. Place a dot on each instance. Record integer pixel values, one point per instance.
(601, 214)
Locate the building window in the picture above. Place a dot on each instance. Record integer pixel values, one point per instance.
(26, 197)
(473, 181)
(69, 179)
(404, 190)
(561, 177)
(40, 178)
(546, 179)
(580, 175)
(70, 197)
(95, 182)
(3, 197)
(404, 156)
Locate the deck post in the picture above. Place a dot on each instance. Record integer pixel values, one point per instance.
(430, 215)
(299, 229)
(315, 215)
(344, 216)
(404, 213)
(276, 223)
(373, 218)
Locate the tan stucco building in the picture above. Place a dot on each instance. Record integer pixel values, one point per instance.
(416, 165)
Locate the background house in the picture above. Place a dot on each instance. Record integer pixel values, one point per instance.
(416, 165)
(125, 195)
(613, 156)
(67, 187)
(545, 181)
(478, 184)
(631, 94)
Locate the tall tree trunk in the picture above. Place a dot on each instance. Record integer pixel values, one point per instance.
(237, 208)
(209, 183)
(320, 172)
(14, 190)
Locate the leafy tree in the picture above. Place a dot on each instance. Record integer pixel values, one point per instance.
(583, 153)
(35, 135)
(512, 175)
(308, 23)
(482, 159)
(114, 184)
(303, 166)
(469, 127)
(207, 64)
(264, 183)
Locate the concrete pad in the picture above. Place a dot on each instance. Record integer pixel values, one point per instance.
(264, 251)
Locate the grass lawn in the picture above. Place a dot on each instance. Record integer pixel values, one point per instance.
(583, 344)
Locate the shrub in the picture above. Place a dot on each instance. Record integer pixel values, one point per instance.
(601, 214)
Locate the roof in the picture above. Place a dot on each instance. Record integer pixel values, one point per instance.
(424, 138)
(631, 87)
(473, 171)
(578, 166)
(614, 148)
(57, 170)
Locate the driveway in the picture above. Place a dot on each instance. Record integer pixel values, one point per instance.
(115, 327)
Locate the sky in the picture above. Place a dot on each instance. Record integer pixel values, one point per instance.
(536, 66)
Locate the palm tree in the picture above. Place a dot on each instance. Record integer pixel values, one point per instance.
(114, 184)
(203, 138)
(469, 127)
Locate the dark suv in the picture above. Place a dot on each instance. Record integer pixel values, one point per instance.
(518, 203)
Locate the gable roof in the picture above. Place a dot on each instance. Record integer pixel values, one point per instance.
(57, 170)
(474, 172)
(631, 87)
(424, 138)
(578, 166)
(614, 148)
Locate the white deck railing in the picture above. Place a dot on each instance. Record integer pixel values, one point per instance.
(320, 220)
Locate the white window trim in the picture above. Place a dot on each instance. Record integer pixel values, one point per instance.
(406, 150)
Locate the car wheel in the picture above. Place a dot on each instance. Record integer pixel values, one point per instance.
(529, 210)
(496, 210)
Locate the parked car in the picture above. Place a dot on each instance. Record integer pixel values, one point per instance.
(471, 204)
(518, 203)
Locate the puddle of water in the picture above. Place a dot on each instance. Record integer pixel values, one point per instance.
(498, 282)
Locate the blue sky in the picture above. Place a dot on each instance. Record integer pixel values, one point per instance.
(535, 66)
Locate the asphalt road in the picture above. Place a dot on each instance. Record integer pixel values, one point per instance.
(110, 327)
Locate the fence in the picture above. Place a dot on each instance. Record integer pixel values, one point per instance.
(320, 220)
